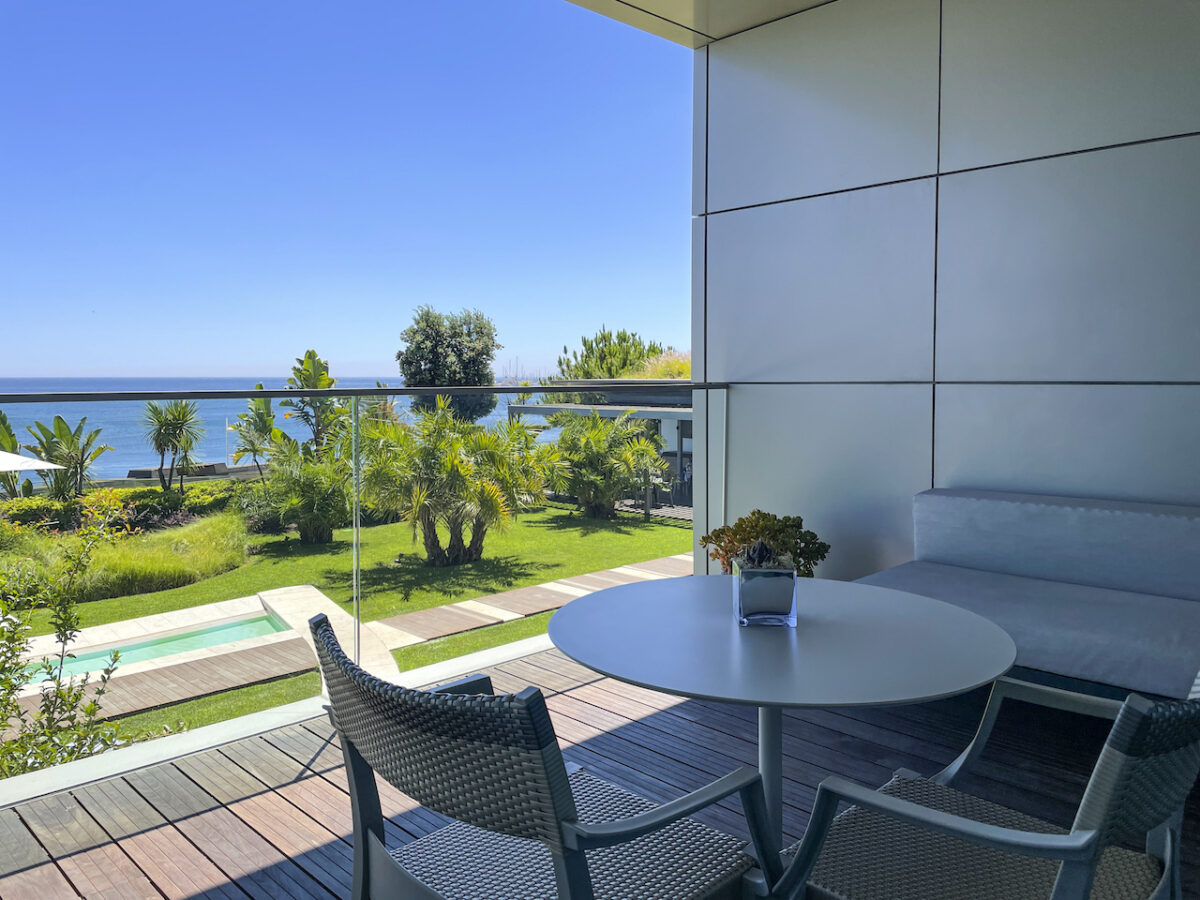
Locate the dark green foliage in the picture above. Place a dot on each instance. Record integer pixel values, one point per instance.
(173, 427)
(606, 460)
(72, 448)
(310, 492)
(10, 482)
(607, 355)
(443, 350)
(61, 514)
(782, 534)
(320, 414)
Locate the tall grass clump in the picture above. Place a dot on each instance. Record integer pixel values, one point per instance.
(160, 560)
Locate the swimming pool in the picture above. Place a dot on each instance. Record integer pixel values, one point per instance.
(169, 644)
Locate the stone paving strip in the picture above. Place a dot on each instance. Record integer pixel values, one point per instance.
(422, 625)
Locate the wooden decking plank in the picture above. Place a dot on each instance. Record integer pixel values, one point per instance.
(407, 815)
(691, 767)
(26, 870)
(304, 840)
(245, 857)
(304, 789)
(167, 858)
(262, 816)
(94, 864)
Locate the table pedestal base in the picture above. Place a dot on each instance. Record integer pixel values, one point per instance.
(770, 763)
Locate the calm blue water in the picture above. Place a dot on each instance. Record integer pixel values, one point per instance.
(155, 648)
(121, 423)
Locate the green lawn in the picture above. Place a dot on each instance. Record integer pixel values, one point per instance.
(543, 545)
(469, 641)
(219, 707)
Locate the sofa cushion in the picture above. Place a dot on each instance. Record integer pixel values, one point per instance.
(1142, 547)
(1141, 642)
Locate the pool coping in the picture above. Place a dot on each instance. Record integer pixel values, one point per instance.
(67, 776)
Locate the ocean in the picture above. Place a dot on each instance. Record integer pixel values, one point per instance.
(121, 422)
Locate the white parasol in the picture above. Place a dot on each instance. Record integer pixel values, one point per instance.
(11, 462)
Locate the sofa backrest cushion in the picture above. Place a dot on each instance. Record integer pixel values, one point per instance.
(1145, 547)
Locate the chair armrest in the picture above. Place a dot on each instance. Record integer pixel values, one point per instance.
(589, 837)
(1078, 846)
(472, 684)
(1029, 692)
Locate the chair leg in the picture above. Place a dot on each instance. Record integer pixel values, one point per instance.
(571, 874)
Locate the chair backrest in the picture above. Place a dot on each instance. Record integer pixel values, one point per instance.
(1145, 772)
(1146, 548)
(490, 761)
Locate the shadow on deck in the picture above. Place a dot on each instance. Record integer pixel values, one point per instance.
(269, 816)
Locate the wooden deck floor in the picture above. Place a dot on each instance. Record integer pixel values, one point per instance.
(269, 816)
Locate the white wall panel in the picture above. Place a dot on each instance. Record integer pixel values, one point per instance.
(1079, 268)
(835, 288)
(1127, 442)
(836, 97)
(1025, 78)
(848, 458)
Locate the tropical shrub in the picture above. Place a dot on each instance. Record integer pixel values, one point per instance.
(444, 474)
(10, 482)
(322, 415)
(74, 449)
(443, 350)
(258, 506)
(62, 514)
(311, 492)
(66, 723)
(607, 459)
(256, 431)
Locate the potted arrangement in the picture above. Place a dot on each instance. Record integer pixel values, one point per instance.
(766, 553)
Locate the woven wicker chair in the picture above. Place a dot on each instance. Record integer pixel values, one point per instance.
(920, 839)
(525, 828)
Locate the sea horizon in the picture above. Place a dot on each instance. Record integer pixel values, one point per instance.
(121, 421)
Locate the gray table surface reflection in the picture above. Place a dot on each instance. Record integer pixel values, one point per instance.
(853, 645)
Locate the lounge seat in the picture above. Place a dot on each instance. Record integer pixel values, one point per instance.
(1099, 595)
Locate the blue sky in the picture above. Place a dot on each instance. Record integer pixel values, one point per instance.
(209, 188)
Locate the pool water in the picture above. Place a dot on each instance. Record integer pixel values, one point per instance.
(154, 648)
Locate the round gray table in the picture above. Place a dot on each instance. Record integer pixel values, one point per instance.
(853, 645)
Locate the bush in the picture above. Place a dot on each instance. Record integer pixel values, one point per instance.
(63, 514)
(162, 560)
(207, 497)
(148, 508)
(259, 508)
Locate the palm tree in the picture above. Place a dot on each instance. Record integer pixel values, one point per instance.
(606, 459)
(73, 449)
(255, 431)
(173, 427)
(443, 473)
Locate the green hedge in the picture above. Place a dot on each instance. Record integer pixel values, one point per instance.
(36, 510)
(205, 497)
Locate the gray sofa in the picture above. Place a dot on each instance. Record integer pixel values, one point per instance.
(1099, 595)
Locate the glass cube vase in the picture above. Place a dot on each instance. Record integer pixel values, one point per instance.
(765, 596)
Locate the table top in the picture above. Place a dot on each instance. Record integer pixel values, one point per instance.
(853, 644)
